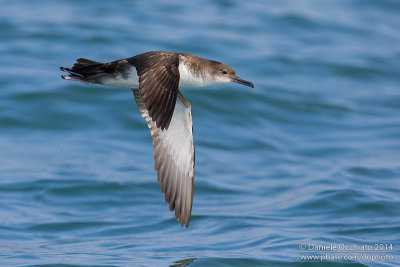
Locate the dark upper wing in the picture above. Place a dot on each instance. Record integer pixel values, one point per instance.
(174, 157)
(158, 83)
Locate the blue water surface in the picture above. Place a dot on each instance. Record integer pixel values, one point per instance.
(309, 157)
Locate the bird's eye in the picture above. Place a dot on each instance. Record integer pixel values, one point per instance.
(224, 72)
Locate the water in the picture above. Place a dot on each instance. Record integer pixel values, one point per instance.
(309, 156)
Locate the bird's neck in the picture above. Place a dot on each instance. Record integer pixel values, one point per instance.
(194, 72)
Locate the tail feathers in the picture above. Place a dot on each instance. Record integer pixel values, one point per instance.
(83, 62)
(84, 70)
(73, 77)
(71, 72)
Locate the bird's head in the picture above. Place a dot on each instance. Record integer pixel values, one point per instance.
(224, 74)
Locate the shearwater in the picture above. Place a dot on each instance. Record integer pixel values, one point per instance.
(155, 78)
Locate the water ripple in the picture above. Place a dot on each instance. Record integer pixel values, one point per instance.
(311, 154)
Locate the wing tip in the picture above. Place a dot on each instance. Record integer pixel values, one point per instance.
(184, 221)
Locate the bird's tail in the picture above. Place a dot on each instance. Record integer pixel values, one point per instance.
(85, 70)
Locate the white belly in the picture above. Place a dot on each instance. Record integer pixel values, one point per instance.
(131, 80)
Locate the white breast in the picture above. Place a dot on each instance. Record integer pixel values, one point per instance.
(188, 79)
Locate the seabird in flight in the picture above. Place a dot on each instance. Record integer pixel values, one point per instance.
(155, 78)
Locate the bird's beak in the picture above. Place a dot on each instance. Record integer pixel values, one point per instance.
(236, 79)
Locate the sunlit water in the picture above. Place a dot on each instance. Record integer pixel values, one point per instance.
(311, 155)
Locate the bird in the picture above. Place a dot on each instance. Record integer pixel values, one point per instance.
(154, 78)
